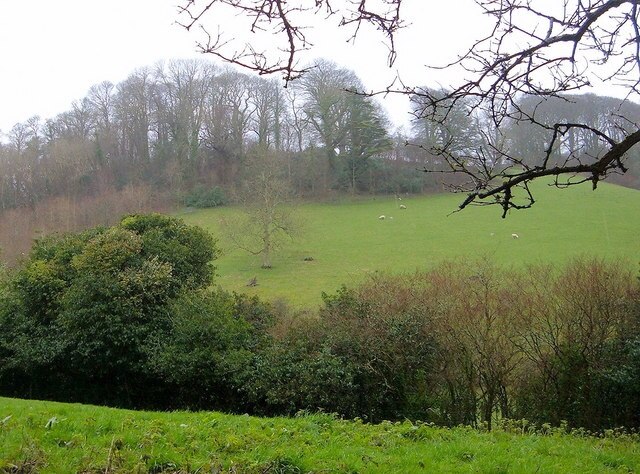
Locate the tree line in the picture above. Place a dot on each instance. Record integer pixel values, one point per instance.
(186, 123)
(183, 124)
(126, 316)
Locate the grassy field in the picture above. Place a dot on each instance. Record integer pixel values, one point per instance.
(347, 241)
(49, 437)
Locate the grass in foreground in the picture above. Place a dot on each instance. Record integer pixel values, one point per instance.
(347, 241)
(49, 437)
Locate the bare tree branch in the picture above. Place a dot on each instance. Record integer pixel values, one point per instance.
(289, 20)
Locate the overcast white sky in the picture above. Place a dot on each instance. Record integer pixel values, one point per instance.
(53, 51)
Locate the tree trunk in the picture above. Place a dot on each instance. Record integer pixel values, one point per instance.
(266, 249)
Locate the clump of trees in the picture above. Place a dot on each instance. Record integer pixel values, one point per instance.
(189, 126)
(81, 316)
(471, 343)
(126, 316)
(184, 132)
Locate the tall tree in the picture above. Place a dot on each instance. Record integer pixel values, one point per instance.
(133, 105)
(268, 113)
(349, 128)
(325, 106)
(227, 112)
(182, 88)
(101, 101)
(366, 138)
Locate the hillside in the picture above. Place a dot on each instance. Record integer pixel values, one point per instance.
(347, 241)
(49, 437)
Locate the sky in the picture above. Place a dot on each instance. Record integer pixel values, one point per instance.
(53, 51)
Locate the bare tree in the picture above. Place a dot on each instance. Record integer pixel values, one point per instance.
(536, 51)
(132, 105)
(268, 218)
(182, 88)
(267, 100)
(227, 116)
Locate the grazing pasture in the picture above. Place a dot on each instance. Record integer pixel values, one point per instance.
(344, 241)
(49, 437)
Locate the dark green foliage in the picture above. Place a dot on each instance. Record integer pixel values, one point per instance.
(205, 197)
(206, 349)
(256, 312)
(116, 301)
(461, 345)
(594, 397)
(189, 250)
(47, 271)
(361, 358)
(618, 386)
(293, 375)
(386, 177)
(365, 138)
(389, 341)
(124, 315)
(80, 313)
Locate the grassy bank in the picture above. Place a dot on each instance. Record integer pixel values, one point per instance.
(347, 241)
(52, 437)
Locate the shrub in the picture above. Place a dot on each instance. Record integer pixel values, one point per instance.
(203, 197)
(467, 342)
(289, 376)
(207, 349)
(188, 249)
(385, 331)
(369, 355)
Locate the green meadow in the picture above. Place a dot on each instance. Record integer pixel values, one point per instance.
(48, 437)
(347, 241)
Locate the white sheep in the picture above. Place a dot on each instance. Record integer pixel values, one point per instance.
(381, 218)
(402, 206)
(515, 236)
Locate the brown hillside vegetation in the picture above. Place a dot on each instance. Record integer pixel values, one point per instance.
(19, 226)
